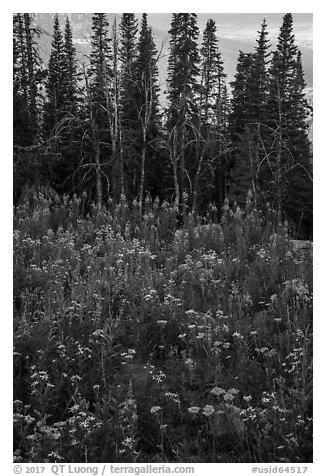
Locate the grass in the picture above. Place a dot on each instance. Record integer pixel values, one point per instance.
(144, 341)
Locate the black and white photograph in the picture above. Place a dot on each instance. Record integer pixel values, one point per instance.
(162, 238)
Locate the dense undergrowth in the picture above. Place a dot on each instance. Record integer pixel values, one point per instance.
(150, 342)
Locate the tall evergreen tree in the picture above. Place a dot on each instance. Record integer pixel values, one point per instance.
(117, 159)
(100, 70)
(28, 77)
(99, 83)
(183, 66)
(128, 106)
(289, 164)
(182, 80)
(71, 75)
(213, 105)
(22, 124)
(69, 129)
(240, 167)
(56, 99)
(249, 118)
(146, 72)
(147, 102)
(33, 70)
(212, 74)
(238, 114)
(257, 90)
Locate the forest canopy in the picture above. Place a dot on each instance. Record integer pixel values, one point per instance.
(98, 127)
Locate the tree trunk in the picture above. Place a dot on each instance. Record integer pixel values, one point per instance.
(196, 180)
(142, 173)
(121, 168)
(182, 158)
(279, 155)
(99, 192)
(175, 171)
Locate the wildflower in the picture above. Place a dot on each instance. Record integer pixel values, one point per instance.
(155, 409)
(190, 363)
(247, 398)
(228, 397)
(158, 377)
(182, 336)
(190, 312)
(247, 299)
(29, 419)
(193, 410)
(237, 335)
(75, 378)
(128, 442)
(162, 322)
(208, 410)
(173, 396)
(201, 335)
(233, 391)
(218, 391)
(217, 343)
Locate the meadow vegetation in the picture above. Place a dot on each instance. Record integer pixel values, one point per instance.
(144, 340)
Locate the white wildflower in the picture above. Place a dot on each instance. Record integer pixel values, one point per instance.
(218, 391)
(208, 410)
(193, 410)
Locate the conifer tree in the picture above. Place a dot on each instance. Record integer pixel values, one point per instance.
(288, 169)
(212, 116)
(146, 72)
(69, 130)
(28, 79)
(182, 80)
(71, 75)
(248, 120)
(238, 114)
(257, 89)
(147, 102)
(98, 88)
(22, 126)
(56, 99)
(100, 70)
(239, 169)
(212, 74)
(128, 106)
(115, 129)
(33, 70)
